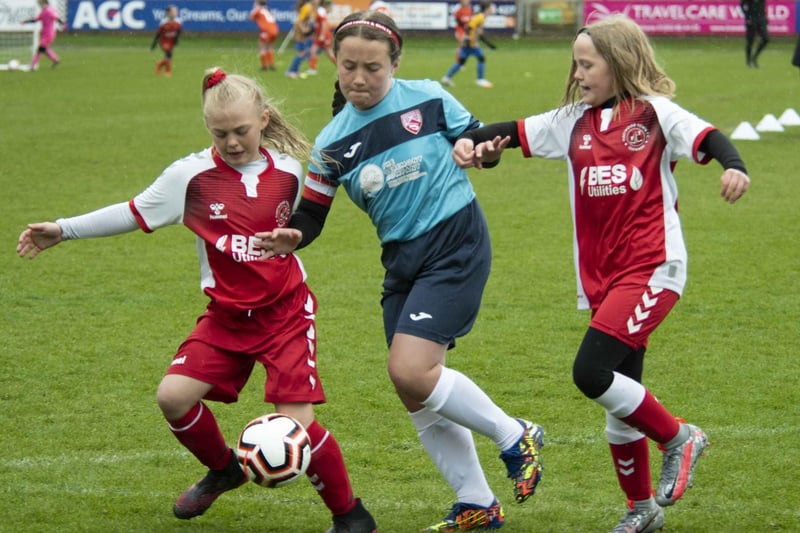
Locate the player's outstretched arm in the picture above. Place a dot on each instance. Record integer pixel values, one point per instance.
(38, 237)
(734, 180)
(734, 184)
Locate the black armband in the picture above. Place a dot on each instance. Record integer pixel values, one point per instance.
(718, 146)
(487, 133)
(309, 219)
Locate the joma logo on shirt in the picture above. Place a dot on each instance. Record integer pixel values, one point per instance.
(242, 248)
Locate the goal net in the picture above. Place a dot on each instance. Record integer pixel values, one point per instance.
(17, 46)
(19, 41)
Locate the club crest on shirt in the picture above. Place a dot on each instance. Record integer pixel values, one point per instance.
(282, 214)
(635, 137)
(412, 121)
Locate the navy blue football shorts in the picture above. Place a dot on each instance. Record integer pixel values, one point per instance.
(433, 284)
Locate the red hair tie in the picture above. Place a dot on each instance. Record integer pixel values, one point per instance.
(216, 77)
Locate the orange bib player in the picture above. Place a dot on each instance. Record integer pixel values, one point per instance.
(462, 17)
(267, 33)
(167, 38)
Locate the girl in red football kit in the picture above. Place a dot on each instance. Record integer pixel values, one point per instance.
(166, 37)
(249, 181)
(621, 136)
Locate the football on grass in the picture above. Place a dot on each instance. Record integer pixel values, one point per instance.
(274, 450)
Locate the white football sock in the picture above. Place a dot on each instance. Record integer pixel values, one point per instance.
(452, 450)
(458, 398)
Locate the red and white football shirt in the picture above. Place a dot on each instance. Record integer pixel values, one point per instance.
(622, 191)
(225, 209)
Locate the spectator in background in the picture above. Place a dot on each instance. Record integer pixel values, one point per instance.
(167, 38)
(267, 33)
(755, 24)
(48, 16)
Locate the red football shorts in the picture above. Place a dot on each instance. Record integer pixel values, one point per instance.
(225, 345)
(631, 313)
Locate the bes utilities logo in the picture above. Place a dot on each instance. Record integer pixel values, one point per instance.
(609, 180)
(242, 248)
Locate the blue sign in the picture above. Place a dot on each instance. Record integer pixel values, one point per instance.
(197, 15)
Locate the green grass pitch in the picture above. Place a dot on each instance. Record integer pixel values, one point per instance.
(89, 327)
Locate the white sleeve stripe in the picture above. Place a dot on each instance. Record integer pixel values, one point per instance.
(319, 187)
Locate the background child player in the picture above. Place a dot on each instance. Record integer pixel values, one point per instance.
(470, 46)
(302, 35)
(323, 36)
(462, 17)
(259, 311)
(49, 17)
(267, 33)
(166, 38)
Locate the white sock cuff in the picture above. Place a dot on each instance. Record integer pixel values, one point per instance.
(441, 392)
(622, 397)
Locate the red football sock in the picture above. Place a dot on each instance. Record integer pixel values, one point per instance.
(632, 464)
(327, 471)
(198, 431)
(653, 419)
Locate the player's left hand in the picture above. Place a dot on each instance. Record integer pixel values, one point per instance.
(734, 184)
(38, 237)
(280, 241)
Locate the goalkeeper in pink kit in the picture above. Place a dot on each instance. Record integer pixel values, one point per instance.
(48, 16)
